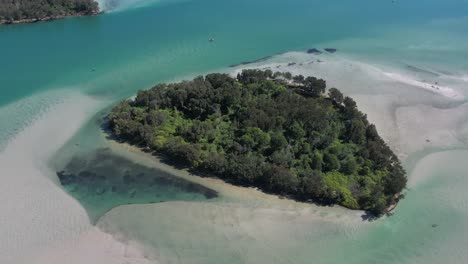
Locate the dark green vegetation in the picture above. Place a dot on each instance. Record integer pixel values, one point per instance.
(102, 180)
(274, 131)
(12, 11)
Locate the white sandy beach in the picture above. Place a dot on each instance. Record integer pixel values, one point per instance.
(334, 68)
(41, 223)
(248, 223)
(403, 62)
(396, 102)
(45, 225)
(442, 90)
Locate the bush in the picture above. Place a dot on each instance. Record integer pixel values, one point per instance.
(253, 130)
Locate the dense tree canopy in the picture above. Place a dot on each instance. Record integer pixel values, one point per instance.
(274, 131)
(17, 10)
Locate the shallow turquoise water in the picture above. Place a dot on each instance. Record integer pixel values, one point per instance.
(102, 181)
(120, 52)
(109, 57)
(130, 49)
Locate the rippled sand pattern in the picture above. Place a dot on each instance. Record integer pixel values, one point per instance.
(246, 226)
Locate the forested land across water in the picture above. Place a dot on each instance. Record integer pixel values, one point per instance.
(285, 134)
(35, 10)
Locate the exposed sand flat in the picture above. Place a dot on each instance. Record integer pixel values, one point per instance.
(21, 113)
(248, 226)
(37, 215)
(463, 78)
(230, 193)
(263, 229)
(442, 90)
(450, 187)
(337, 69)
(397, 103)
(95, 246)
(424, 126)
(244, 224)
(236, 233)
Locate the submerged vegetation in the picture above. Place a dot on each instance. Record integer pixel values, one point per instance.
(14, 11)
(99, 185)
(275, 131)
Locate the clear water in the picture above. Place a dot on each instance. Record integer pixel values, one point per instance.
(139, 43)
(104, 180)
(121, 52)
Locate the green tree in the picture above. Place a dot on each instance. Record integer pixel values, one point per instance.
(281, 180)
(349, 166)
(331, 162)
(258, 130)
(296, 131)
(336, 95)
(278, 141)
(311, 184)
(317, 161)
(313, 87)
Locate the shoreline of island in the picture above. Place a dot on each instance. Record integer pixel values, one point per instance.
(225, 189)
(48, 18)
(297, 159)
(32, 12)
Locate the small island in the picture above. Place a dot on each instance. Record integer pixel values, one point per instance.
(28, 11)
(287, 135)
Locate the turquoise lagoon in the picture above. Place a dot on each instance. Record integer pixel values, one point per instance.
(178, 218)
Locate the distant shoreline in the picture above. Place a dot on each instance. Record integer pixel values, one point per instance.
(48, 18)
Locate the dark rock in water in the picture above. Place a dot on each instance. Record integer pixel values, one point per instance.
(331, 50)
(435, 225)
(314, 51)
(291, 64)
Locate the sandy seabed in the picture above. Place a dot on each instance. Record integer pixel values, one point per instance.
(247, 226)
(42, 224)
